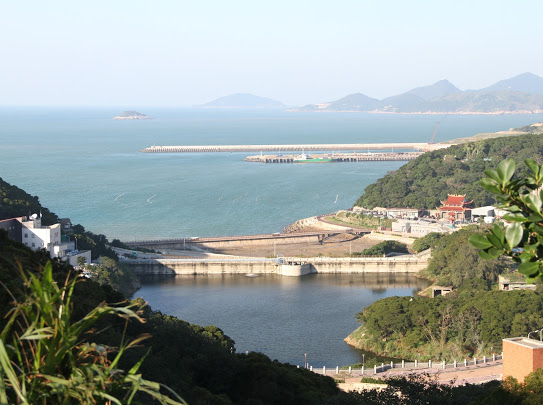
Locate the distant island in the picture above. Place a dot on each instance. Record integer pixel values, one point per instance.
(522, 94)
(132, 115)
(243, 101)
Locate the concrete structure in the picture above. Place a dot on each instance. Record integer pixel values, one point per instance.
(440, 290)
(229, 242)
(396, 213)
(293, 269)
(339, 157)
(514, 281)
(398, 265)
(293, 148)
(417, 227)
(521, 356)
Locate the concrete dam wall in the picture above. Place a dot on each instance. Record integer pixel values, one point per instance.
(400, 264)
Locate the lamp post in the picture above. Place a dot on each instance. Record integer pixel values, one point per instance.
(305, 360)
(363, 359)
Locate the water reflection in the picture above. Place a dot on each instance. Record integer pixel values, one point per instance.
(283, 317)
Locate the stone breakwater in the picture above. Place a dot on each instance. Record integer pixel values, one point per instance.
(292, 148)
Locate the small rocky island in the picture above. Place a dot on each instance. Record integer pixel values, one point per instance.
(131, 115)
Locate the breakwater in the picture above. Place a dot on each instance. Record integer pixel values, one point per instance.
(293, 148)
(226, 242)
(339, 157)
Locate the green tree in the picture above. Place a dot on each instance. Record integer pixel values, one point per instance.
(522, 197)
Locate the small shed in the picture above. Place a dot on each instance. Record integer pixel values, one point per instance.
(440, 290)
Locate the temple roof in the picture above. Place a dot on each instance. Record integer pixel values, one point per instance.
(455, 200)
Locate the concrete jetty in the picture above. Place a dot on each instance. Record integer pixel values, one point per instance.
(339, 157)
(421, 146)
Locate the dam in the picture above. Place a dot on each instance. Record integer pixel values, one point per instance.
(420, 146)
(322, 265)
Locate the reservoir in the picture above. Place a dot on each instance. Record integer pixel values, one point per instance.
(282, 317)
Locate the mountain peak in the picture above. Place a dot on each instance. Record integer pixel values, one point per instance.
(525, 82)
(438, 89)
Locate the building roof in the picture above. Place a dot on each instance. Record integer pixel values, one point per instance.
(453, 208)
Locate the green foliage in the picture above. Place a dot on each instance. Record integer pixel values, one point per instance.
(522, 197)
(115, 274)
(15, 202)
(426, 242)
(425, 181)
(449, 267)
(45, 357)
(384, 248)
(362, 220)
(450, 327)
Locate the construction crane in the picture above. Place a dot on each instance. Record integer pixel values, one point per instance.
(434, 134)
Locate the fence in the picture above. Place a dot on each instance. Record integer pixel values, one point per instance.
(412, 366)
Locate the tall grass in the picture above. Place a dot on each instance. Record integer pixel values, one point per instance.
(46, 357)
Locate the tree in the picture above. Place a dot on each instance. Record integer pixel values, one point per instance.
(522, 197)
(81, 261)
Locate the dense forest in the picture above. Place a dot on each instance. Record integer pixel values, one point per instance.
(471, 320)
(425, 181)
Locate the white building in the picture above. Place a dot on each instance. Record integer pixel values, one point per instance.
(33, 234)
(36, 236)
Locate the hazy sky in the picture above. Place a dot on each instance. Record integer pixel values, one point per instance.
(180, 53)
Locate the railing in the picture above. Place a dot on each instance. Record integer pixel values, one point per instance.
(410, 367)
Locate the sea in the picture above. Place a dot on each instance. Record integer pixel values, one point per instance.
(88, 167)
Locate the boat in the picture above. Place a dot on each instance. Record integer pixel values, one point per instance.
(303, 158)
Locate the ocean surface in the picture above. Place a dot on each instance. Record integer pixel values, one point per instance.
(86, 166)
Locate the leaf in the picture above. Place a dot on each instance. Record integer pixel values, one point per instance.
(493, 175)
(497, 231)
(490, 185)
(490, 254)
(529, 268)
(505, 170)
(479, 241)
(514, 234)
(534, 167)
(533, 202)
(516, 217)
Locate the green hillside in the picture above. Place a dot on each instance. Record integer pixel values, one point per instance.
(425, 181)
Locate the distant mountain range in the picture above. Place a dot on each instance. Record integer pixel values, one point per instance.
(243, 101)
(520, 94)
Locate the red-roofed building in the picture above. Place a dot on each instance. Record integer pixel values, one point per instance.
(456, 208)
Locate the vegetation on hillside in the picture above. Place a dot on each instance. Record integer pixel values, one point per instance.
(361, 220)
(15, 202)
(384, 248)
(450, 268)
(425, 181)
(466, 322)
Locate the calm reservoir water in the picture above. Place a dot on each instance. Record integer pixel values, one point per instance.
(283, 317)
(85, 166)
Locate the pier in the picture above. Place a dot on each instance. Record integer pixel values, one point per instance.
(339, 157)
(421, 146)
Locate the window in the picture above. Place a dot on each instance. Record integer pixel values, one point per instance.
(33, 244)
(26, 235)
(33, 235)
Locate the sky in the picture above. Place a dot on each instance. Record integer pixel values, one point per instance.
(175, 53)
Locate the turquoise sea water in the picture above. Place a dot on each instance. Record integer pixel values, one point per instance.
(85, 166)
